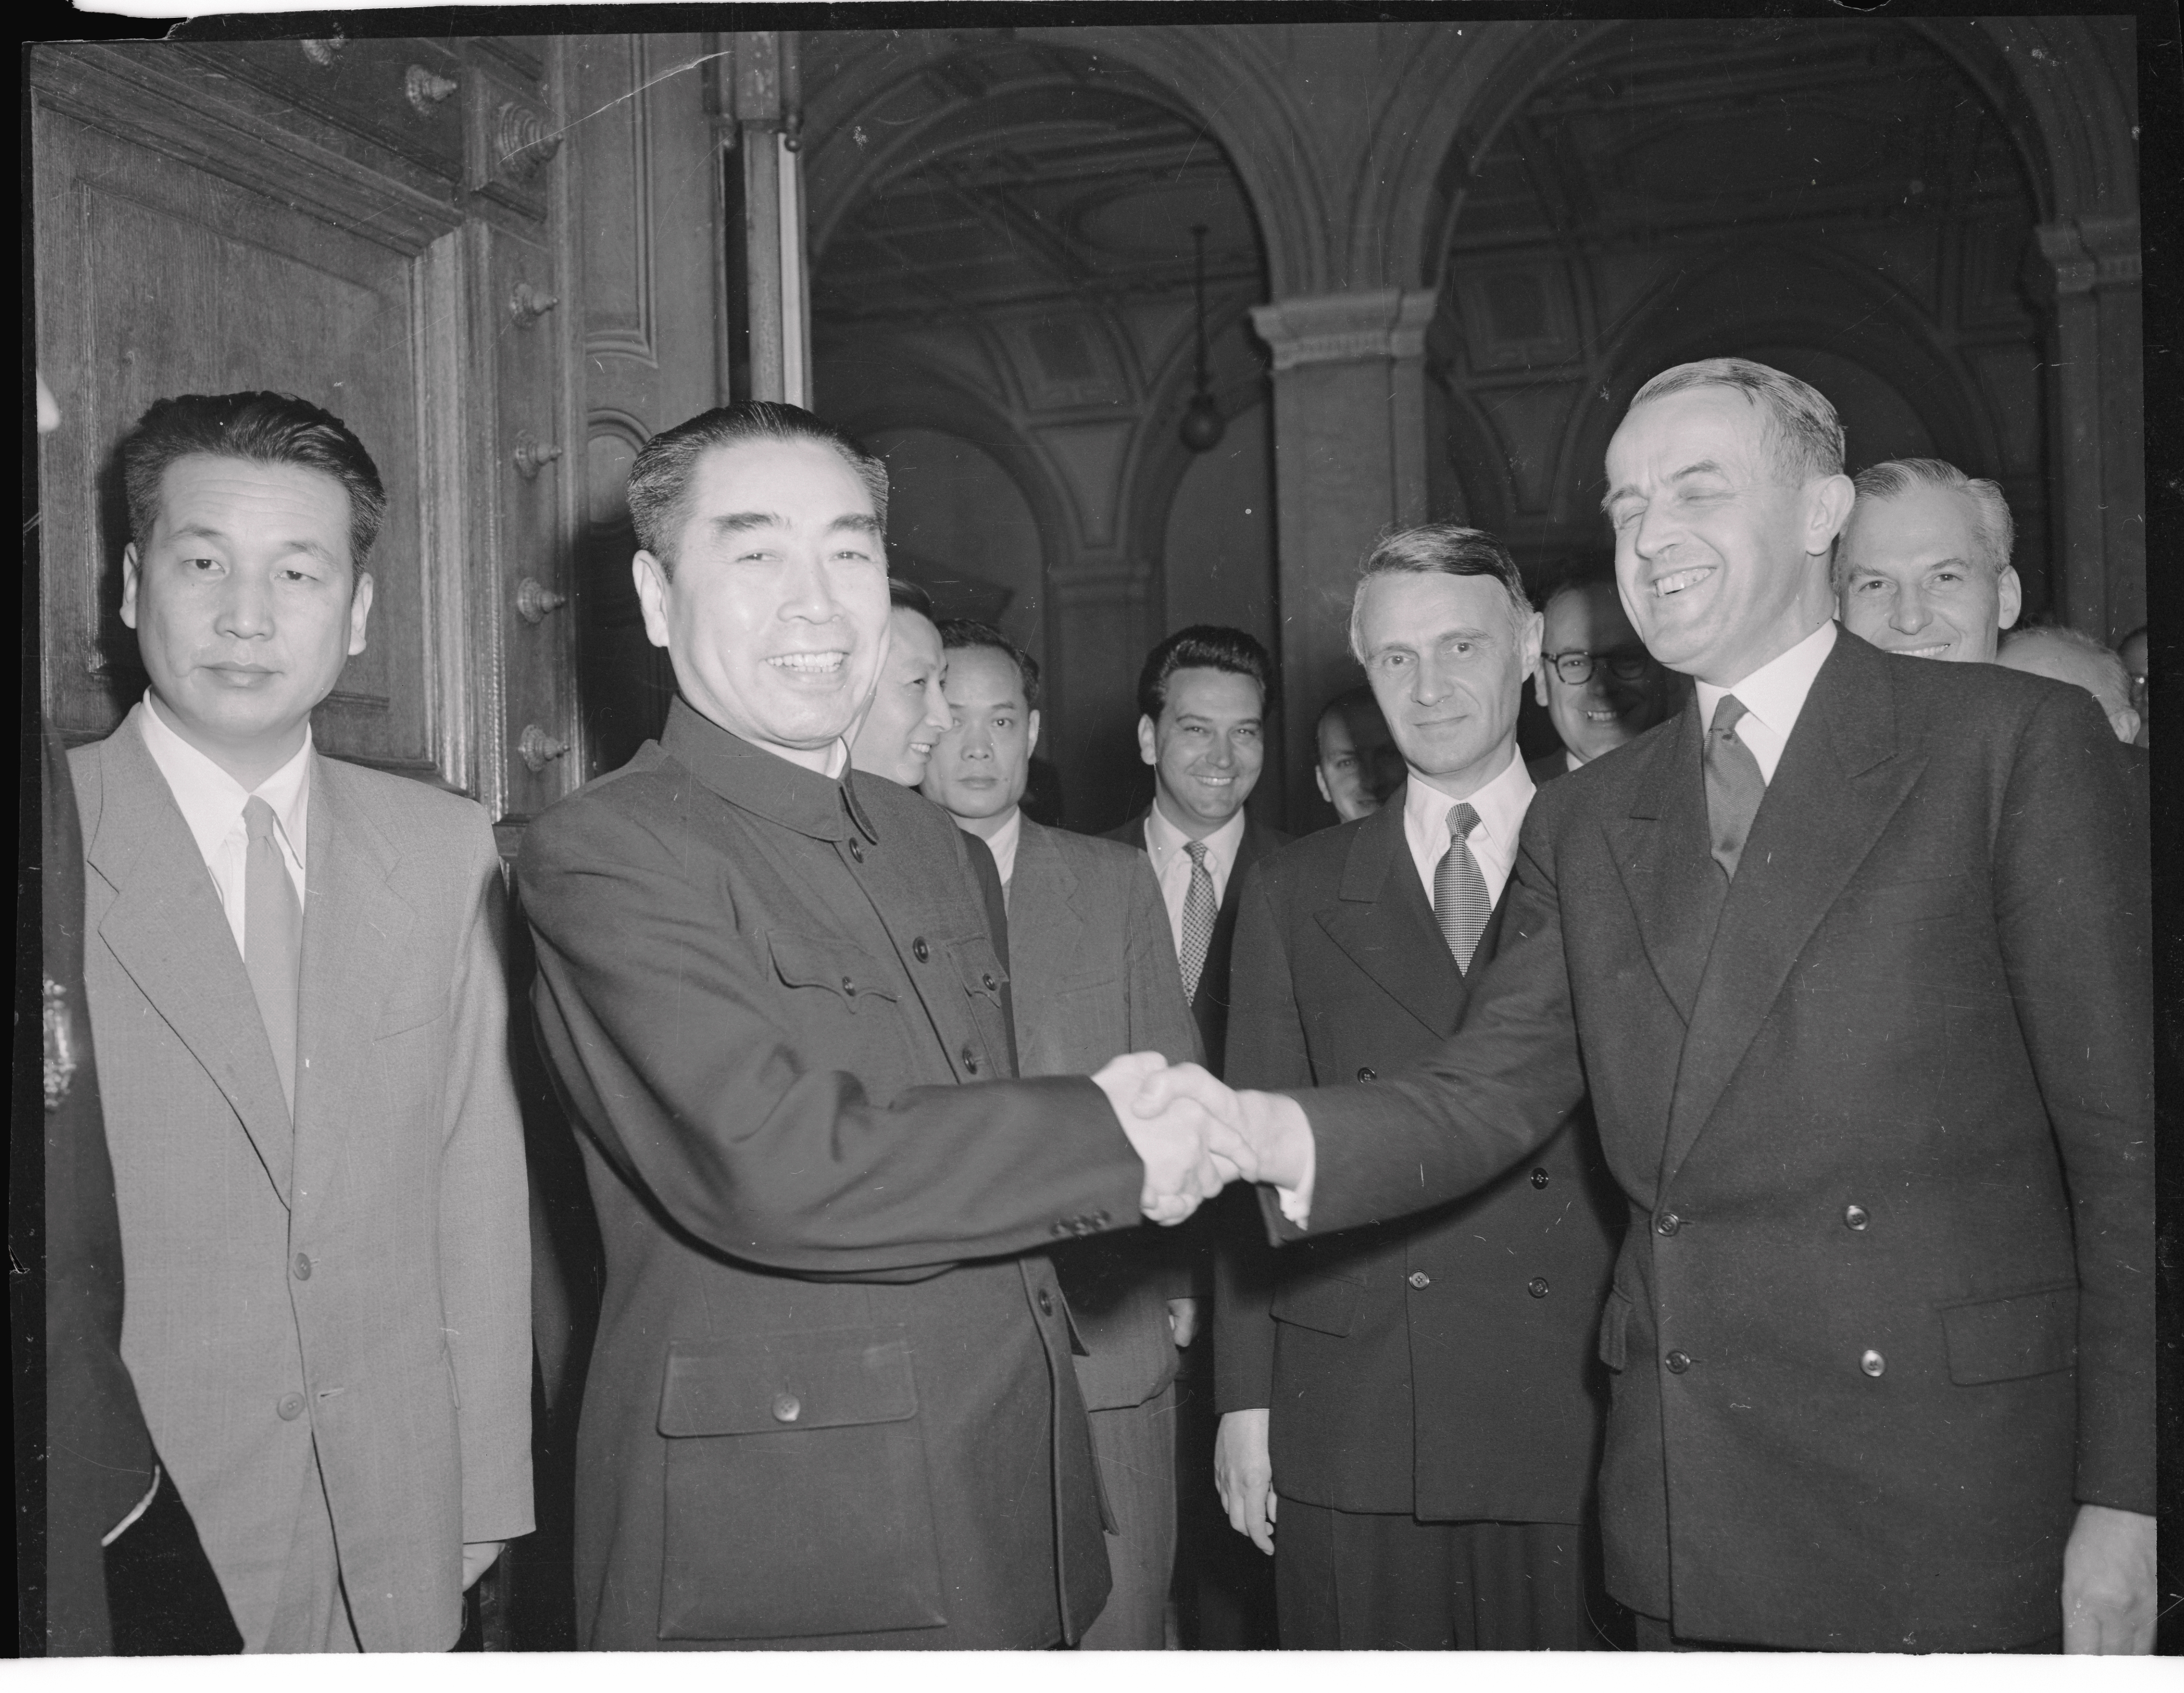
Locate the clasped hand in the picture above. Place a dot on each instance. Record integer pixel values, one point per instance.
(1194, 1135)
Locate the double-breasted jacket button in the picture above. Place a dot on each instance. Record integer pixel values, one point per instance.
(1046, 1303)
(787, 1407)
(1365, 1073)
(1678, 1362)
(919, 950)
(1856, 1217)
(989, 983)
(291, 1407)
(848, 988)
(969, 1058)
(1871, 1361)
(1537, 1287)
(303, 1266)
(1667, 1223)
(1420, 1279)
(856, 850)
(1540, 1179)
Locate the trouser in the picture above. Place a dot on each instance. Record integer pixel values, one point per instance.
(1136, 1448)
(1351, 1580)
(164, 1598)
(1655, 1635)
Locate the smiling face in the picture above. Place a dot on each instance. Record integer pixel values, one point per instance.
(1447, 656)
(1359, 766)
(1914, 580)
(246, 603)
(980, 769)
(1600, 713)
(1207, 747)
(776, 613)
(1721, 567)
(909, 713)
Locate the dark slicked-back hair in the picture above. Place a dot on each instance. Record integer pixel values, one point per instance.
(958, 632)
(1205, 646)
(263, 427)
(660, 480)
(908, 596)
(1447, 550)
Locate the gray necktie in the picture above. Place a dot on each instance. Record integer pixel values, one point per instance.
(1199, 909)
(272, 940)
(1733, 786)
(1461, 905)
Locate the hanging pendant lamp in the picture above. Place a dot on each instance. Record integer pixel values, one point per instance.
(1202, 422)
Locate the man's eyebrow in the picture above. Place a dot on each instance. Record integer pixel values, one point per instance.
(199, 531)
(743, 522)
(1703, 467)
(857, 522)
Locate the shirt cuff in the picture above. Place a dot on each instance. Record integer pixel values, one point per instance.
(115, 1532)
(1296, 1201)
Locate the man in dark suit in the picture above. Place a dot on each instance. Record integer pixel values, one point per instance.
(1600, 686)
(830, 1401)
(1923, 567)
(1424, 1395)
(2076, 659)
(1853, 956)
(1093, 974)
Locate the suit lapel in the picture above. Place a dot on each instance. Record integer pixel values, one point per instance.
(1046, 926)
(166, 929)
(1664, 854)
(1842, 777)
(355, 930)
(1382, 922)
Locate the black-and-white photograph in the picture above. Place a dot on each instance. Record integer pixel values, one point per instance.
(989, 829)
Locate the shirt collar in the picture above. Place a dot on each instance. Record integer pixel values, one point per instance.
(757, 779)
(1002, 843)
(212, 800)
(1165, 840)
(1501, 805)
(1775, 693)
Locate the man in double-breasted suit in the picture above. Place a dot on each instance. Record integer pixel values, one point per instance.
(1422, 1397)
(294, 976)
(831, 1401)
(1093, 974)
(1852, 957)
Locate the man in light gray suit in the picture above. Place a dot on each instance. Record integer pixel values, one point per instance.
(294, 974)
(1093, 972)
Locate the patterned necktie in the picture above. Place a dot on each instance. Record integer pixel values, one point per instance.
(1733, 786)
(272, 940)
(1461, 905)
(1200, 908)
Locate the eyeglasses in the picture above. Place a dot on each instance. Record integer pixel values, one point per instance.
(1575, 667)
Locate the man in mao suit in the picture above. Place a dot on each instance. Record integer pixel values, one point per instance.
(830, 1402)
(294, 976)
(1853, 956)
(1422, 1396)
(1093, 974)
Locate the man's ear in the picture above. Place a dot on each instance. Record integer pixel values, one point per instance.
(650, 577)
(360, 611)
(2010, 595)
(1531, 636)
(1148, 740)
(1828, 504)
(1319, 778)
(1031, 730)
(130, 570)
(1539, 683)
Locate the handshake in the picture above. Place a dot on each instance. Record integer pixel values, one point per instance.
(1196, 1136)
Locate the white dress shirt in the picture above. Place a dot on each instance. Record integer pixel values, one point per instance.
(212, 802)
(1501, 805)
(1172, 864)
(1772, 697)
(1002, 843)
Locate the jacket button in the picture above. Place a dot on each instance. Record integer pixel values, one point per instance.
(1668, 1223)
(1420, 1279)
(787, 1407)
(1365, 1073)
(989, 984)
(1855, 1216)
(969, 1058)
(1537, 1287)
(1872, 1362)
(856, 851)
(848, 988)
(1539, 1179)
(1046, 1303)
(1064, 1226)
(919, 950)
(290, 1407)
(303, 1268)
(1099, 1219)
(1678, 1362)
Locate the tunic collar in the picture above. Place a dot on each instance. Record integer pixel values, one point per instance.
(748, 775)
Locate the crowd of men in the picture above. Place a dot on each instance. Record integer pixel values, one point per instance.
(1703, 1174)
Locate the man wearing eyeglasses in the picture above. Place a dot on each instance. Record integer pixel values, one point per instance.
(1597, 681)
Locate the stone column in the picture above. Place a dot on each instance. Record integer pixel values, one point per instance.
(2090, 271)
(1097, 608)
(1349, 460)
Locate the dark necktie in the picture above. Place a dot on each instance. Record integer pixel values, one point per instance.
(1200, 908)
(1461, 905)
(272, 940)
(1733, 786)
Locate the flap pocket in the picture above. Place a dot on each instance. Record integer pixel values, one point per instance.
(1615, 1329)
(405, 1009)
(1909, 902)
(1326, 1303)
(2003, 1339)
(841, 967)
(980, 967)
(775, 1383)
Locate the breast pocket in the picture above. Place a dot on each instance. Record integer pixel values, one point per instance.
(840, 970)
(797, 1502)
